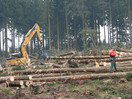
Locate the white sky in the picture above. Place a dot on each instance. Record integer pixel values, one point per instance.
(102, 33)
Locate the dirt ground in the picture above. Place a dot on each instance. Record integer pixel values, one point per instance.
(81, 89)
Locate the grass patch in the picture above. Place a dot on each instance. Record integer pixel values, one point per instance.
(7, 92)
(50, 84)
(129, 76)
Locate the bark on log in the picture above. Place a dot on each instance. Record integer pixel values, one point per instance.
(8, 78)
(47, 75)
(104, 60)
(29, 77)
(124, 54)
(120, 64)
(79, 57)
(14, 83)
(57, 66)
(105, 52)
(66, 70)
(13, 78)
(124, 50)
(69, 53)
(81, 77)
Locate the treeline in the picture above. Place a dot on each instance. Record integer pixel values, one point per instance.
(66, 24)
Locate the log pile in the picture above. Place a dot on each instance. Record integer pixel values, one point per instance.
(25, 78)
(104, 60)
(22, 83)
(67, 70)
(81, 77)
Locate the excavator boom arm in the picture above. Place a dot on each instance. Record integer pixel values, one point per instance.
(28, 37)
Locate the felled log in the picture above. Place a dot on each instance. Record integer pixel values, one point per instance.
(124, 50)
(104, 60)
(66, 70)
(47, 75)
(105, 52)
(13, 78)
(123, 54)
(6, 78)
(81, 77)
(56, 66)
(15, 83)
(69, 53)
(28, 77)
(118, 65)
(78, 57)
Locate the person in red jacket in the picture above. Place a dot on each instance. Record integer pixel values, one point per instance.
(112, 59)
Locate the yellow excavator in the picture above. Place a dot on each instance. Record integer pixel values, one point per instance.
(22, 57)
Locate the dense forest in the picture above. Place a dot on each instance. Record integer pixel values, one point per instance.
(65, 24)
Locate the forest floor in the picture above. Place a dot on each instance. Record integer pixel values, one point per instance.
(80, 89)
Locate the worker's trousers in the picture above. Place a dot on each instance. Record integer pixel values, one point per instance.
(113, 63)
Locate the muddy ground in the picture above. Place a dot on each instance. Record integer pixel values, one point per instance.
(81, 89)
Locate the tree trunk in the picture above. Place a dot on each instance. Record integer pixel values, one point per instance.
(99, 33)
(34, 43)
(38, 46)
(75, 32)
(6, 42)
(49, 26)
(95, 28)
(19, 41)
(117, 36)
(31, 46)
(72, 70)
(3, 36)
(129, 7)
(104, 22)
(109, 34)
(0, 41)
(13, 39)
(67, 31)
(58, 35)
(83, 25)
(125, 22)
(111, 28)
(43, 38)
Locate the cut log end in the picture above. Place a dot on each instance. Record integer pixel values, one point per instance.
(12, 78)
